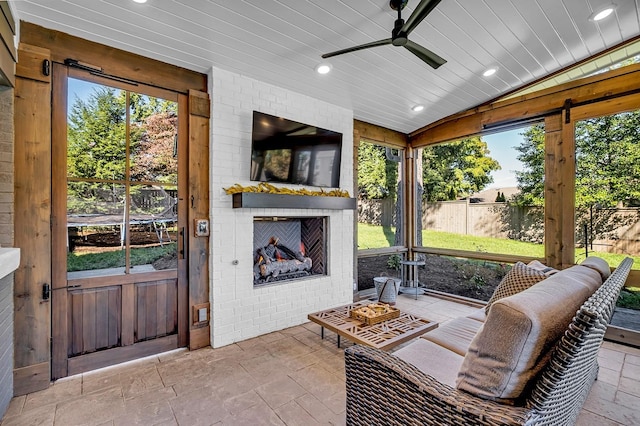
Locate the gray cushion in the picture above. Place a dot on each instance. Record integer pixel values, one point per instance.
(520, 330)
(455, 334)
(598, 264)
(432, 359)
(519, 278)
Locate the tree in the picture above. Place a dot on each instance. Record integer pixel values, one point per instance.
(377, 177)
(607, 155)
(97, 142)
(531, 177)
(457, 169)
(607, 158)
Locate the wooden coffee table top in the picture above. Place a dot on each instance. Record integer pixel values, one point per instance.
(384, 335)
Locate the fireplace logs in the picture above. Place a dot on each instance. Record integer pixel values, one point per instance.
(276, 260)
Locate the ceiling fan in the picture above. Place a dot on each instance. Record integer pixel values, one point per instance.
(400, 33)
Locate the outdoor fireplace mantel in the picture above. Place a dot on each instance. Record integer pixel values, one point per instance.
(287, 201)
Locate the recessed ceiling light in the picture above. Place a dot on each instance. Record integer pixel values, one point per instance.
(323, 68)
(489, 72)
(602, 12)
(140, 1)
(417, 108)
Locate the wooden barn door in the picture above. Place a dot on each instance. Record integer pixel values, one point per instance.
(119, 288)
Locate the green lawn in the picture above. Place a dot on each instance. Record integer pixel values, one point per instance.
(371, 236)
(114, 259)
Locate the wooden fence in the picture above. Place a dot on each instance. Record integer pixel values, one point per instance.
(607, 230)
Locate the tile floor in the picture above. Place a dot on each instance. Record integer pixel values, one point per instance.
(290, 377)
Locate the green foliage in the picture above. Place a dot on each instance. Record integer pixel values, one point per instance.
(456, 169)
(377, 176)
(531, 177)
(97, 146)
(96, 136)
(394, 262)
(629, 298)
(607, 158)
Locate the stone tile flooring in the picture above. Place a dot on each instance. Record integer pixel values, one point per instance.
(290, 377)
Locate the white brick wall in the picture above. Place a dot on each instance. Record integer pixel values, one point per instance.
(240, 311)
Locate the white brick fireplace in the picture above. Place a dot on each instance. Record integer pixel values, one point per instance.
(240, 310)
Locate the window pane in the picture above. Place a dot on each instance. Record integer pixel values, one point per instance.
(379, 197)
(95, 215)
(152, 228)
(154, 143)
(484, 194)
(608, 187)
(96, 131)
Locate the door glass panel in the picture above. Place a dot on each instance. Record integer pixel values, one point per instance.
(152, 228)
(122, 171)
(95, 215)
(154, 132)
(96, 131)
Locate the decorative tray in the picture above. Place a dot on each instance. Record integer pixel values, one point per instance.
(374, 313)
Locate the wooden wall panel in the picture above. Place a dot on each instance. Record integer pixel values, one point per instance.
(156, 309)
(198, 200)
(32, 157)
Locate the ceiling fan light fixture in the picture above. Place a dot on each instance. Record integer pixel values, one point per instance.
(602, 12)
(323, 68)
(417, 108)
(490, 71)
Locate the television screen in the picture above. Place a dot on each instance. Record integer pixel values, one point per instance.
(290, 152)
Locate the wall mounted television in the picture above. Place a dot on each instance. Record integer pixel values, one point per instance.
(290, 152)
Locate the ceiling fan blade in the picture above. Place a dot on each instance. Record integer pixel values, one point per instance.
(425, 54)
(360, 47)
(419, 13)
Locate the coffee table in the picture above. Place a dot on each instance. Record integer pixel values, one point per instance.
(384, 335)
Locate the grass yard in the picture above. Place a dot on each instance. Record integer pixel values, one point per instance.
(115, 259)
(371, 236)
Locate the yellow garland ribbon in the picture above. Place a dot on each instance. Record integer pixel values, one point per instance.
(270, 189)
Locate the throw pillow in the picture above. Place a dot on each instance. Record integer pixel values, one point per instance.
(547, 270)
(519, 278)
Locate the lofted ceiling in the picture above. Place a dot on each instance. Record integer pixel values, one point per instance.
(281, 42)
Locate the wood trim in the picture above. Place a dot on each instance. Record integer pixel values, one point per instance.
(32, 157)
(198, 201)
(30, 64)
(31, 379)
(59, 299)
(494, 257)
(567, 193)
(124, 279)
(379, 135)
(113, 61)
(622, 335)
(550, 101)
(183, 192)
(95, 360)
(382, 251)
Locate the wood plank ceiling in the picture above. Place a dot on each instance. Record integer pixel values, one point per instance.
(280, 42)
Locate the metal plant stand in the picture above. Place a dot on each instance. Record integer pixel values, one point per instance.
(409, 276)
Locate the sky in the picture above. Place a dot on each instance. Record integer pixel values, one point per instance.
(501, 148)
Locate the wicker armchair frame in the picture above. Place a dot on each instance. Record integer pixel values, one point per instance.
(385, 390)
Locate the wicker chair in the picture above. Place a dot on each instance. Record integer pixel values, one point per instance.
(385, 390)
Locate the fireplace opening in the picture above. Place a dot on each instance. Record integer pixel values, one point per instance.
(288, 248)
